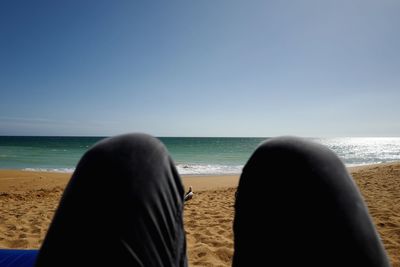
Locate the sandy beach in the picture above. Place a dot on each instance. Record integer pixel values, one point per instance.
(28, 201)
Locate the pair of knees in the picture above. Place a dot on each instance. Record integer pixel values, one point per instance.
(291, 191)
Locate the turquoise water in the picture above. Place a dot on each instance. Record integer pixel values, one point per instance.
(193, 156)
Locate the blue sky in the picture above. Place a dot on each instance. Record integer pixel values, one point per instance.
(200, 67)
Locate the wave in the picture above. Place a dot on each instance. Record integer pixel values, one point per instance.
(61, 170)
(200, 169)
(183, 169)
(208, 169)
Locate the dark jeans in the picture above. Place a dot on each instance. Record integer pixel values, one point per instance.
(296, 205)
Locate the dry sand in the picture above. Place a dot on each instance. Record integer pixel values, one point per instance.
(28, 201)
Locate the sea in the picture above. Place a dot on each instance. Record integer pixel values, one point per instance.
(192, 155)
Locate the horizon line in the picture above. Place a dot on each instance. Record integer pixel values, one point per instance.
(106, 136)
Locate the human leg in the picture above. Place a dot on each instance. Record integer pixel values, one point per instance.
(297, 205)
(122, 207)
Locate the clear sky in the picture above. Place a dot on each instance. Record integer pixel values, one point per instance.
(200, 67)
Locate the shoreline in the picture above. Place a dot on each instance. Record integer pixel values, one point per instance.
(29, 199)
(71, 170)
(12, 179)
(9, 178)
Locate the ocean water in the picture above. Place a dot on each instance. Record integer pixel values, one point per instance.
(193, 156)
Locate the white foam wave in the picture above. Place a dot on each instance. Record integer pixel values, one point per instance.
(61, 170)
(183, 169)
(208, 169)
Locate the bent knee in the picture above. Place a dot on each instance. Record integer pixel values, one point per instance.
(139, 142)
(290, 148)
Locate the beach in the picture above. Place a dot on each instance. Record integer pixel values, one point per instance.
(28, 201)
